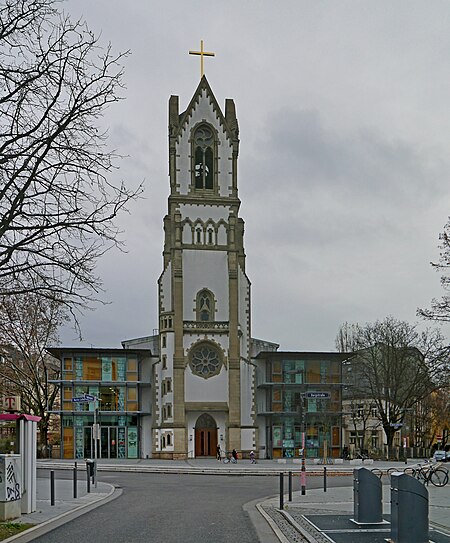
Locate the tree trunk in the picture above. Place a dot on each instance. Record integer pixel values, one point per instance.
(43, 438)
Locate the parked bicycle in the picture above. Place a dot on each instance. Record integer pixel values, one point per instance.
(434, 473)
(425, 472)
(362, 456)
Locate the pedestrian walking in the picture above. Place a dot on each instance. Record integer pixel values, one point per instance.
(219, 456)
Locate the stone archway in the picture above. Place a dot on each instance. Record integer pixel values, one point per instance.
(205, 436)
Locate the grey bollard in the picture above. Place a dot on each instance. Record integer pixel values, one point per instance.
(409, 509)
(367, 497)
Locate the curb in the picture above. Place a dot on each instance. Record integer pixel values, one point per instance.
(272, 524)
(198, 471)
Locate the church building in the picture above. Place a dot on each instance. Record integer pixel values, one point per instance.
(202, 381)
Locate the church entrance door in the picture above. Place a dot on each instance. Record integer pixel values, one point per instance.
(205, 436)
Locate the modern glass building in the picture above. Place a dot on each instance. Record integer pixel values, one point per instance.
(120, 379)
(299, 392)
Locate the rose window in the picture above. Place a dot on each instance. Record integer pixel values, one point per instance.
(205, 361)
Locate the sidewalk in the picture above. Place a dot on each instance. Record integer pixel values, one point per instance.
(47, 517)
(320, 516)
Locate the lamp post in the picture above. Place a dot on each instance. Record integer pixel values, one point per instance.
(303, 471)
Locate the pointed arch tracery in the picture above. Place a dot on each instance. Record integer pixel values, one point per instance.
(205, 306)
(204, 154)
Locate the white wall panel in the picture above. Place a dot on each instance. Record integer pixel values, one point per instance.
(205, 269)
(214, 389)
(204, 213)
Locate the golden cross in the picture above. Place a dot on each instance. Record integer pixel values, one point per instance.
(202, 54)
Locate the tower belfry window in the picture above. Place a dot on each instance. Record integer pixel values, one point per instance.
(204, 158)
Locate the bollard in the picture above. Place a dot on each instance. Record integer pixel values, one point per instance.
(75, 482)
(324, 479)
(88, 480)
(281, 491)
(367, 497)
(303, 475)
(409, 510)
(290, 485)
(52, 487)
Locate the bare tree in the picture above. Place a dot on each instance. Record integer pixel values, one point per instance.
(57, 202)
(395, 366)
(440, 309)
(28, 323)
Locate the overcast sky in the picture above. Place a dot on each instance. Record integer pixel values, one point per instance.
(344, 159)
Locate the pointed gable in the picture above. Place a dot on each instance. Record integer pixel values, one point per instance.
(204, 90)
(203, 121)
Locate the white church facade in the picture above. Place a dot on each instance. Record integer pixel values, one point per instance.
(204, 380)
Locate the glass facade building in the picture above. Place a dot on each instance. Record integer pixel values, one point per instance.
(120, 380)
(300, 393)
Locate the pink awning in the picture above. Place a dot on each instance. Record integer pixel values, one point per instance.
(18, 416)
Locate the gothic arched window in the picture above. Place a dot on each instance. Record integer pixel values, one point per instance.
(204, 157)
(205, 306)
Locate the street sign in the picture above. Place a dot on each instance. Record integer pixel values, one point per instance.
(11, 403)
(396, 424)
(90, 398)
(96, 431)
(320, 395)
(79, 400)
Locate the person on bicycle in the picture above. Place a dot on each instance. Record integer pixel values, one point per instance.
(234, 454)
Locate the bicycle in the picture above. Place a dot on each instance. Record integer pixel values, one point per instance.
(434, 473)
(229, 458)
(425, 473)
(362, 456)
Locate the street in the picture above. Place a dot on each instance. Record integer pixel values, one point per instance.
(175, 508)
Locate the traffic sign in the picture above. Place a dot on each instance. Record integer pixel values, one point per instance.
(79, 400)
(320, 395)
(396, 424)
(90, 398)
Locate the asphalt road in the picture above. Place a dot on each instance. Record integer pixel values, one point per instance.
(175, 508)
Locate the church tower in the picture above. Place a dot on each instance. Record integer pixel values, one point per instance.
(204, 381)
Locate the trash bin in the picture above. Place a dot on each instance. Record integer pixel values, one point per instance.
(90, 467)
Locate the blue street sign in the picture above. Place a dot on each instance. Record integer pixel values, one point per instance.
(323, 395)
(90, 398)
(78, 400)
